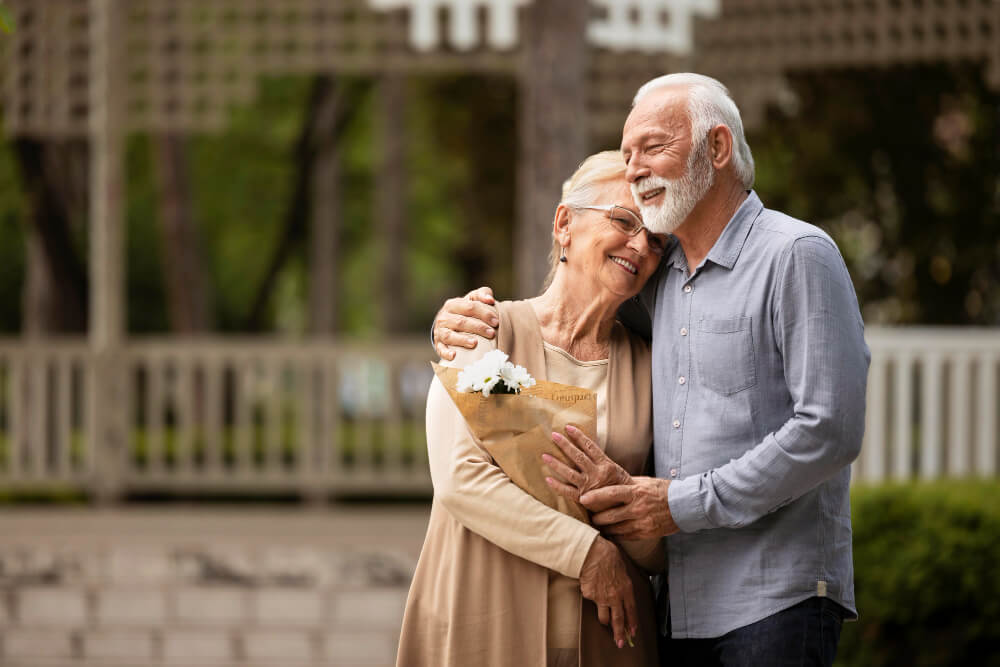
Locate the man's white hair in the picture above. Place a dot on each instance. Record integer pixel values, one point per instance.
(709, 104)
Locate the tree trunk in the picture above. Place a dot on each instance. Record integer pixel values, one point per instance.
(187, 285)
(326, 207)
(55, 178)
(553, 138)
(391, 202)
(327, 109)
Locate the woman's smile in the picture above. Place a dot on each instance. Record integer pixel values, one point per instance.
(626, 265)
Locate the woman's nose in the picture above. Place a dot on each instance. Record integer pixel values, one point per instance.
(639, 243)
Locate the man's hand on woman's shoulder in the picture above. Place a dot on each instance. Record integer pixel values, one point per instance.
(475, 313)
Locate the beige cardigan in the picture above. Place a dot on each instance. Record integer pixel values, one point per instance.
(479, 601)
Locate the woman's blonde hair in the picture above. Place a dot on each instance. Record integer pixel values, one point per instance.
(582, 189)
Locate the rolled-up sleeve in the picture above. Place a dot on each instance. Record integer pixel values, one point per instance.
(820, 336)
(474, 490)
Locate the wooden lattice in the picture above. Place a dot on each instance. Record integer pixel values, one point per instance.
(186, 62)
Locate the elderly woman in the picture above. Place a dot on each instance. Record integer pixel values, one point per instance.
(503, 579)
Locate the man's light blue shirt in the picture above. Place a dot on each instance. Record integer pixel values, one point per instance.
(759, 376)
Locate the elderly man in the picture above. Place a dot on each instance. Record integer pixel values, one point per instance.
(759, 374)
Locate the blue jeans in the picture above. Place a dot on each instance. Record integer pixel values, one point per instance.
(805, 635)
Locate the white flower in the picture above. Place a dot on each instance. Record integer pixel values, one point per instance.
(482, 375)
(516, 377)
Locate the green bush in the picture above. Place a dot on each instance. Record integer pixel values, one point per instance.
(927, 575)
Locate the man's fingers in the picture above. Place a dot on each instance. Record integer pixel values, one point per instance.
(483, 294)
(622, 528)
(563, 471)
(563, 489)
(447, 336)
(618, 625)
(600, 500)
(444, 351)
(465, 324)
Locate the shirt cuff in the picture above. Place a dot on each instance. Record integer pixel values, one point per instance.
(686, 506)
(578, 552)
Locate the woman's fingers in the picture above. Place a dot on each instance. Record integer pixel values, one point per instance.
(579, 459)
(564, 472)
(604, 614)
(563, 489)
(584, 443)
(618, 625)
(631, 616)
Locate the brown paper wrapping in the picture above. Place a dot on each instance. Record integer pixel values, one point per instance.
(515, 429)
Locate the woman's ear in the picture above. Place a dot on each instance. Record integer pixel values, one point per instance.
(720, 146)
(560, 225)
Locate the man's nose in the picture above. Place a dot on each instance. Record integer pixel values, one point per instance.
(635, 171)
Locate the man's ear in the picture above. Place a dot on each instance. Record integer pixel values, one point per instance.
(560, 225)
(720, 146)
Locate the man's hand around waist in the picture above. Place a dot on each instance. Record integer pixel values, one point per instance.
(475, 313)
(636, 511)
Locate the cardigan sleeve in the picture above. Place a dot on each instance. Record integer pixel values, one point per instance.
(482, 498)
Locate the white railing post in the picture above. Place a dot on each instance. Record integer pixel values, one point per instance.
(902, 426)
(874, 449)
(986, 417)
(959, 416)
(930, 415)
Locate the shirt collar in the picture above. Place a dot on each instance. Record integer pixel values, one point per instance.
(729, 245)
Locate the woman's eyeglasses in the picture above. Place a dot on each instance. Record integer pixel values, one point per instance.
(630, 224)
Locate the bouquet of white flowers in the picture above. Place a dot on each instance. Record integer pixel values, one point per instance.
(512, 416)
(493, 373)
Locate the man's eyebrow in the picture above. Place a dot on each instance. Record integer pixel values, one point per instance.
(645, 136)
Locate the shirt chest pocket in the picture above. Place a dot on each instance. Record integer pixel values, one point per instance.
(724, 354)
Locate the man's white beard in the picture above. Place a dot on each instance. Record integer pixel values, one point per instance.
(680, 195)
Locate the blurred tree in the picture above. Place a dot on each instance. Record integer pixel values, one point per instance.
(553, 140)
(391, 211)
(188, 291)
(326, 214)
(54, 175)
(902, 167)
(463, 159)
(326, 117)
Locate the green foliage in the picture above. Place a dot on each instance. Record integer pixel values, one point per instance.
(902, 167)
(926, 558)
(6, 20)
(242, 179)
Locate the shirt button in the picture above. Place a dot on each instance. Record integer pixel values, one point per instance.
(673, 472)
(687, 288)
(684, 331)
(677, 423)
(681, 380)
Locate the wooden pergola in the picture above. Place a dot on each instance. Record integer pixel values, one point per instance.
(101, 69)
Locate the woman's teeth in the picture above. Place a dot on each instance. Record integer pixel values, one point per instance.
(632, 268)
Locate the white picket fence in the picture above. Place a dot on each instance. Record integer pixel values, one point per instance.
(220, 415)
(321, 418)
(932, 404)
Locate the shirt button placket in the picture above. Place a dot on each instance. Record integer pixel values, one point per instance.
(682, 382)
